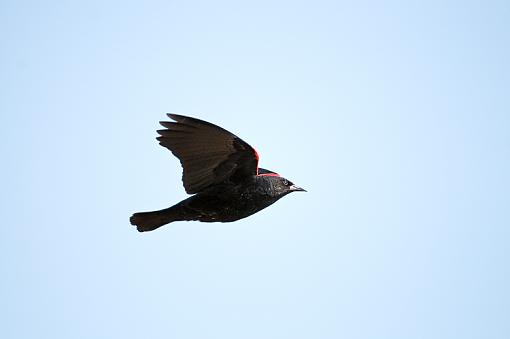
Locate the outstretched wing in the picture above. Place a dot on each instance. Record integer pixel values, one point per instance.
(209, 154)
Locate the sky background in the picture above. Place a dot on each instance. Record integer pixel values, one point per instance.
(394, 115)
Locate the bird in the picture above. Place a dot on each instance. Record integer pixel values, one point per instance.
(221, 173)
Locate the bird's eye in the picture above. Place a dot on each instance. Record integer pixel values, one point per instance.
(285, 182)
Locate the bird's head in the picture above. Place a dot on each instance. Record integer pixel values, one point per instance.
(283, 186)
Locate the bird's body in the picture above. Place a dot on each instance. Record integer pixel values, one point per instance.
(222, 171)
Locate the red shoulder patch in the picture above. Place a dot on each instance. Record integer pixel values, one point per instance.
(268, 175)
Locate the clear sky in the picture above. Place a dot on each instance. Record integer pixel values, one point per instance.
(394, 115)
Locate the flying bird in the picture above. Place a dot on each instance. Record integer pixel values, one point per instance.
(220, 170)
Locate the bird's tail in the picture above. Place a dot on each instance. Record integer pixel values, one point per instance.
(149, 221)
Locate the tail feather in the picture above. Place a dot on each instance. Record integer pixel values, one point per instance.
(149, 221)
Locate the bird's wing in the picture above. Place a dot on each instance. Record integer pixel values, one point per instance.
(209, 154)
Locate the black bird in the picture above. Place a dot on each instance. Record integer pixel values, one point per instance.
(222, 172)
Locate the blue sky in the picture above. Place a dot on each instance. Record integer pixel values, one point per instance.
(394, 115)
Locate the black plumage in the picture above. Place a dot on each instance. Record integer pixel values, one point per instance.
(222, 172)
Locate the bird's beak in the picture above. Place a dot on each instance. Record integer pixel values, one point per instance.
(295, 188)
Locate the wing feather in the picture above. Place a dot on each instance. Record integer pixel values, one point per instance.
(209, 154)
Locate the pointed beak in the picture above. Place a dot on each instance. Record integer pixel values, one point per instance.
(295, 188)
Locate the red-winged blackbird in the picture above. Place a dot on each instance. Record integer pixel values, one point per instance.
(222, 172)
